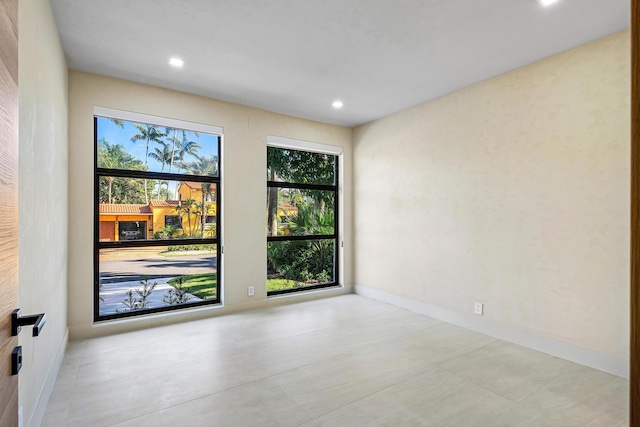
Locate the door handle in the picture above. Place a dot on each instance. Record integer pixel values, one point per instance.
(18, 321)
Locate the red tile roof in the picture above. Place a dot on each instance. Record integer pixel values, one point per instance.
(163, 203)
(124, 209)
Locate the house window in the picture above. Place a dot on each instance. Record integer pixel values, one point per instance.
(302, 216)
(173, 221)
(156, 187)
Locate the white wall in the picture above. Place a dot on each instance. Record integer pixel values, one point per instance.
(43, 204)
(513, 192)
(244, 190)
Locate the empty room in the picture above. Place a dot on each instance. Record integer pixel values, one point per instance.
(339, 213)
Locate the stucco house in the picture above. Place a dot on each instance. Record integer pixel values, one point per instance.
(142, 221)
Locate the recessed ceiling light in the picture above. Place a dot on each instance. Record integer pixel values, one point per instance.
(547, 2)
(176, 62)
(337, 104)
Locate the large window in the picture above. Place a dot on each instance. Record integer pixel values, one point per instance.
(157, 214)
(302, 220)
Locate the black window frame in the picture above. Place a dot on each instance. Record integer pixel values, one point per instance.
(97, 244)
(336, 215)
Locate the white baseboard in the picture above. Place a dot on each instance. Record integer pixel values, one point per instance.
(575, 353)
(50, 382)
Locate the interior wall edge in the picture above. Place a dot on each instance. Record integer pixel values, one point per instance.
(564, 350)
(49, 383)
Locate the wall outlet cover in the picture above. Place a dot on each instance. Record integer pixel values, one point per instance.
(478, 308)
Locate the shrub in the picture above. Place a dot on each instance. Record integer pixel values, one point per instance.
(133, 303)
(167, 232)
(179, 248)
(177, 295)
(323, 277)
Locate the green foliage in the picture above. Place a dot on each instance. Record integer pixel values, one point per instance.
(310, 221)
(323, 277)
(300, 166)
(115, 156)
(161, 154)
(189, 207)
(203, 166)
(177, 295)
(201, 285)
(119, 190)
(147, 133)
(182, 248)
(305, 261)
(167, 232)
(281, 284)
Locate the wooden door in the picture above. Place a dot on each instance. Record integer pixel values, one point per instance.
(634, 394)
(8, 206)
(107, 231)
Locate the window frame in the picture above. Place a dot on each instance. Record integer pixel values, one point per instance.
(312, 147)
(122, 173)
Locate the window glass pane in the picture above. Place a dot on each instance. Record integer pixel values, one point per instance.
(145, 147)
(174, 221)
(299, 263)
(143, 209)
(296, 212)
(301, 167)
(138, 279)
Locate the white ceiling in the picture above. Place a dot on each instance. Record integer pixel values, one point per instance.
(297, 56)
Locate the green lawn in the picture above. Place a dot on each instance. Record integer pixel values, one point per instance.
(204, 285)
(201, 285)
(280, 284)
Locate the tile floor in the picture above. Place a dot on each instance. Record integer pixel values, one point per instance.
(343, 361)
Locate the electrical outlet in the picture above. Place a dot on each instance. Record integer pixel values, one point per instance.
(250, 291)
(478, 308)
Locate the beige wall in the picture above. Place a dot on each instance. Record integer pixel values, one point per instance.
(244, 189)
(43, 146)
(513, 192)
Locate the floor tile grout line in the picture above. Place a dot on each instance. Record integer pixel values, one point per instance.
(327, 329)
(540, 388)
(364, 343)
(202, 397)
(420, 372)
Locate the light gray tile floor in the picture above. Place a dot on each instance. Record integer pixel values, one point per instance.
(343, 361)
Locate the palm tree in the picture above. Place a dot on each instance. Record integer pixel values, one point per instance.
(173, 140)
(204, 166)
(162, 156)
(148, 134)
(178, 144)
(117, 122)
(114, 156)
(188, 207)
(186, 147)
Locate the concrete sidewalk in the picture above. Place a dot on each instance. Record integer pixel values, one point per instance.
(114, 294)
